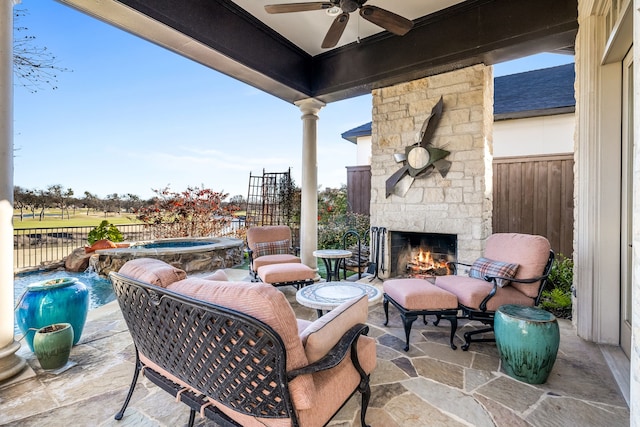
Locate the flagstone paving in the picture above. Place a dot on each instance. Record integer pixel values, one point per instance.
(430, 385)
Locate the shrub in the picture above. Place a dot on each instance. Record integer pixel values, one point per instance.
(104, 231)
(195, 212)
(557, 297)
(334, 227)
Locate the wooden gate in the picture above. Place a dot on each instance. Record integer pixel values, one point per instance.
(535, 195)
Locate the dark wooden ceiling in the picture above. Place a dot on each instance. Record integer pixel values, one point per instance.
(471, 32)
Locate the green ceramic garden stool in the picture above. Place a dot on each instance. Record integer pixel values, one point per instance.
(527, 339)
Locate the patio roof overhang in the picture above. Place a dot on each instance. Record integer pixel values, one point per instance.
(223, 36)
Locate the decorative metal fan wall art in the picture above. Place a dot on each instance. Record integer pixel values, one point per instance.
(391, 22)
(421, 158)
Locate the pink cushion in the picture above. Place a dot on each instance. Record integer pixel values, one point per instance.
(274, 259)
(320, 337)
(152, 271)
(303, 324)
(267, 233)
(470, 292)
(529, 251)
(333, 387)
(282, 273)
(418, 294)
(265, 303)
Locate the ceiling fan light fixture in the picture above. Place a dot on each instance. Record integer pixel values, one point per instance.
(334, 11)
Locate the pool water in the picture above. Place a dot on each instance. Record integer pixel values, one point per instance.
(100, 290)
(170, 245)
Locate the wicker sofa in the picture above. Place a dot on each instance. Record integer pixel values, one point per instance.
(234, 351)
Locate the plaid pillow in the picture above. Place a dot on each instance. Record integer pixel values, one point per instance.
(486, 267)
(271, 248)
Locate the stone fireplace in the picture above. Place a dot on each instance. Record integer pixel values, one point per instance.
(457, 203)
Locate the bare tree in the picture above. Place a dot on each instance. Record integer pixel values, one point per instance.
(90, 201)
(34, 66)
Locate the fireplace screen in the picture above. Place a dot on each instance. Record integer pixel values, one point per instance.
(422, 254)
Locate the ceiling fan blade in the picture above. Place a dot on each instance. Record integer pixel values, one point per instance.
(335, 31)
(391, 22)
(297, 7)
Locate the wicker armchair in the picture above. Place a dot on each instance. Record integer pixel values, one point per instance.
(233, 351)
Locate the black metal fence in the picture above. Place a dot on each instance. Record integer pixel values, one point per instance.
(33, 247)
(36, 247)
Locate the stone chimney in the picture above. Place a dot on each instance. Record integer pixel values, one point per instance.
(459, 203)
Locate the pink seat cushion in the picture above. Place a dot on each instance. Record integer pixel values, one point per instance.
(282, 273)
(530, 252)
(152, 271)
(418, 294)
(274, 259)
(470, 292)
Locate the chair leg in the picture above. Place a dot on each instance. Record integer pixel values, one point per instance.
(134, 381)
(385, 305)
(438, 317)
(454, 325)
(365, 391)
(254, 276)
(408, 321)
(192, 417)
(468, 340)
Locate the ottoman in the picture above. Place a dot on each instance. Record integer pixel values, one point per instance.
(291, 273)
(418, 297)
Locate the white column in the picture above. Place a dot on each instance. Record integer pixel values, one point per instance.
(10, 363)
(634, 380)
(309, 209)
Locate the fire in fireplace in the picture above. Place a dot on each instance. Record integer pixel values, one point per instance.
(422, 254)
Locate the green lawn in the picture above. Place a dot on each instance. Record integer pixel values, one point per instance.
(77, 220)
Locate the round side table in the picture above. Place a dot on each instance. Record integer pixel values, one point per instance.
(332, 258)
(329, 295)
(527, 339)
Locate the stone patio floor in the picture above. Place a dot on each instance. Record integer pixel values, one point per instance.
(431, 385)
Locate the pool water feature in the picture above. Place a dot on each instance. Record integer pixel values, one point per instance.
(172, 244)
(100, 290)
(192, 255)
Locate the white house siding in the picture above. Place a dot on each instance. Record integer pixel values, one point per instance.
(364, 150)
(534, 136)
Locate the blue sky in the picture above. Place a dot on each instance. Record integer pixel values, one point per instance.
(131, 117)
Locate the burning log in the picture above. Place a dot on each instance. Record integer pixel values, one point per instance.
(424, 264)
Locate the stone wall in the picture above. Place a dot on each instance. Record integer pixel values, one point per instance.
(228, 254)
(461, 202)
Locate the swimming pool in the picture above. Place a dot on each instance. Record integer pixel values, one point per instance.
(100, 290)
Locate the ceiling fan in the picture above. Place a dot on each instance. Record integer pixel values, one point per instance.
(391, 22)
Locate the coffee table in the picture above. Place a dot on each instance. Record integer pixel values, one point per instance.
(329, 295)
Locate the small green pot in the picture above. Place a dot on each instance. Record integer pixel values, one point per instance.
(52, 345)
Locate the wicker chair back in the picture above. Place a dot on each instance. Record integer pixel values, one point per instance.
(235, 359)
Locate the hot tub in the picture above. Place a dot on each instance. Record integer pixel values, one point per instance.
(190, 254)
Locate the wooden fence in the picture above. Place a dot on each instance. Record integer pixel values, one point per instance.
(535, 195)
(359, 189)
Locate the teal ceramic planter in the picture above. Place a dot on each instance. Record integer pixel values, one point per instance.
(44, 303)
(527, 339)
(52, 345)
